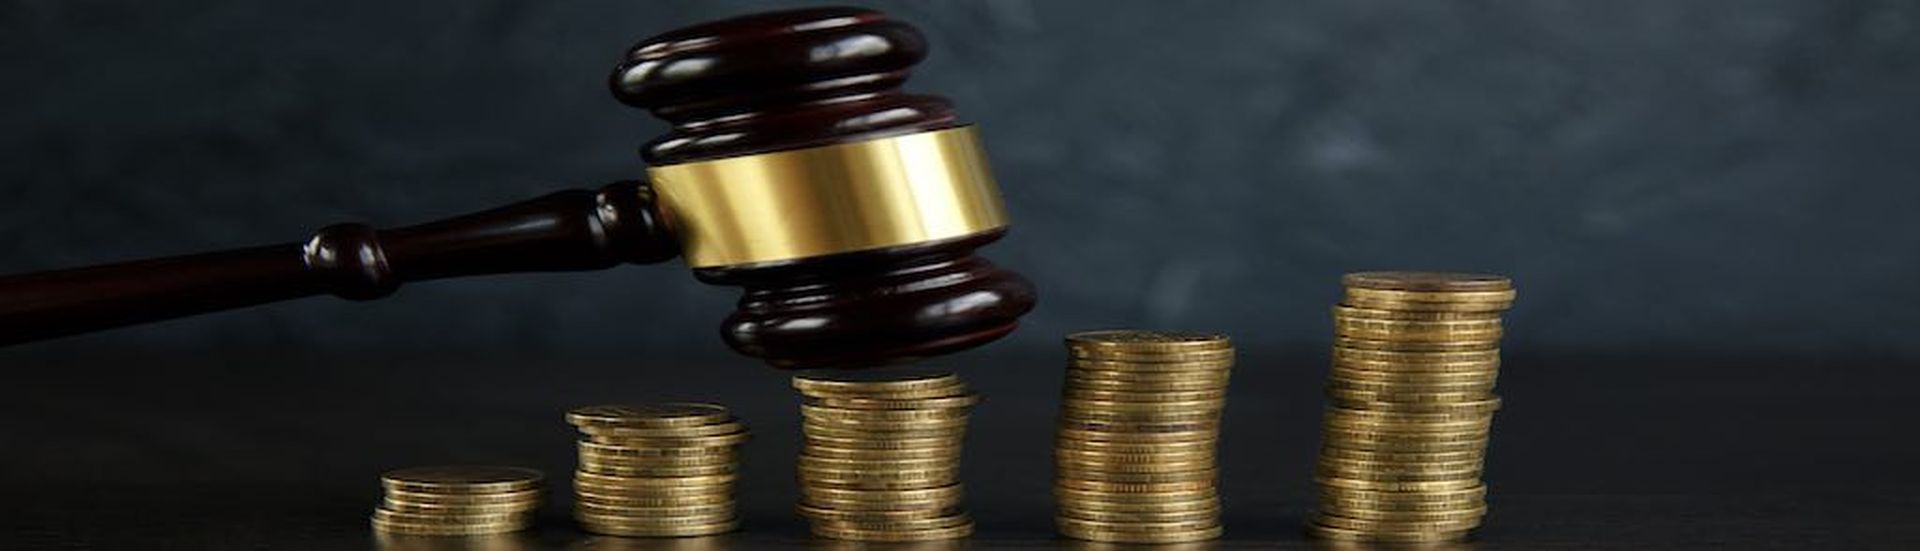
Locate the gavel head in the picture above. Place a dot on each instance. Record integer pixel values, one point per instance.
(797, 170)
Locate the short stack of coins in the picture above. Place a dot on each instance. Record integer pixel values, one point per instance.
(1138, 427)
(658, 470)
(457, 500)
(1411, 405)
(881, 460)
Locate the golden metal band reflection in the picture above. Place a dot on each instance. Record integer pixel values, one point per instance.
(839, 198)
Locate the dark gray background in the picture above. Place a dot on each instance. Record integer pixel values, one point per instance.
(1706, 205)
(1723, 177)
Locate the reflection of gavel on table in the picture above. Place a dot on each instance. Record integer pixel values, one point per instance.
(796, 169)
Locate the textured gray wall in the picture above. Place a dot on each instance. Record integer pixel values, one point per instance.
(1719, 177)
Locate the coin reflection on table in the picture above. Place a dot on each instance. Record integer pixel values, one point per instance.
(720, 542)
(517, 541)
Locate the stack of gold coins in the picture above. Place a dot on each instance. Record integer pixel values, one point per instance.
(457, 500)
(1411, 406)
(1137, 435)
(882, 455)
(661, 470)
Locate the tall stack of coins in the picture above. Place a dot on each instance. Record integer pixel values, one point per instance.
(882, 455)
(457, 500)
(1135, 454)
(663, 470)
(1415, 357)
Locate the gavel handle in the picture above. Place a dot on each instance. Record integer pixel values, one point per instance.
(563, 231)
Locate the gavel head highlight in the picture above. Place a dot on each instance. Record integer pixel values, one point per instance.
(846, 209)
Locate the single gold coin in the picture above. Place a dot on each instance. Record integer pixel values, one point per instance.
(652, 499)
(1173, 487)
(398, 517)
(1211, 363)
(1104, 457)
(1387, 434)
(895, 416)
(648, 416)
(614, 481)
(861, 427)
(1350, 312)
(1458, 415)
(1072, 412)
(686, 432)
(834, 497)
(877, 385)
(1151, 361)
(1416, 517)
(1400, 360)
(886, 404)
(1487, 377)
(458, 509)
(1098, 515)
(1128, 495)
(1193, 384)
(844, 440)
(1370, 525)
(1180, 407)
(1099, 509)
(815, 511)
(896, 523)
(591, 513)
(1100, 469)
(461, 479)
(1395, 387)
(854, 533)
(1120, 532)
(1485, 405)
(1131, 340)
(1136, 448)
(876, 463)
(1392, 457)
(643, 529)
(658, 461)
(1344, 394)
(717, 440)
(824, 452)
(1383, 536)
(1475, 492)
(1427, 281)
(626, 470)
(530, 495)
(1066, 433)
(1383, 345)
(1341, 504)
(388, 527)
(1457, 330)
(1472, 464)
(692, 455)
(1398, 486)
(1376, 425)
(925, 478)
(1140, 426)
(1126, 376)
(719, 510)
(884, 507)
(640, 495)
(1400, 475)
(1095, 395)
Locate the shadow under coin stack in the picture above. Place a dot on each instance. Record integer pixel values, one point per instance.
(457, 500)
(1138, 428)
(882, 456)
(1415, 357)
(660, 470)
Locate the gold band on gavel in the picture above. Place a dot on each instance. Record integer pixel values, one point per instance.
(801, 203)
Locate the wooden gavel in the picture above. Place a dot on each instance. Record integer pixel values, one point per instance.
(796, 169)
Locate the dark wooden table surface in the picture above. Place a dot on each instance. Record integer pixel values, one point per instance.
(236, 450)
